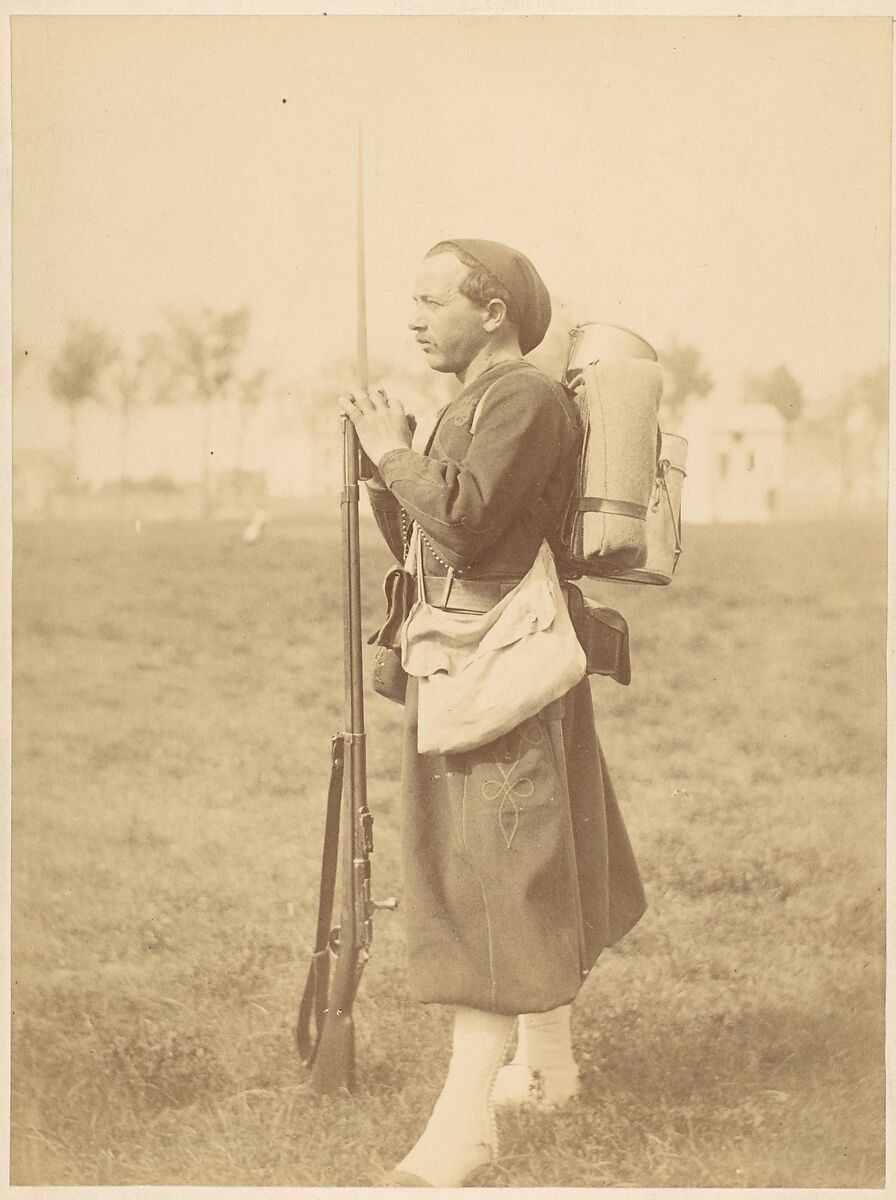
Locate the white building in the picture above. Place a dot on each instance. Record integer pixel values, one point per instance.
(736, 461)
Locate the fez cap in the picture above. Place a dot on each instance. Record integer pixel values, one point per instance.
(514, 271)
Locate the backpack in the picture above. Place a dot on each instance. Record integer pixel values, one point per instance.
(623, 520)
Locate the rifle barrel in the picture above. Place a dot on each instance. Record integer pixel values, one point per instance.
(355, 796)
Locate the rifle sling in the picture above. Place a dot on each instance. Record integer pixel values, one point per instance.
(314, 997)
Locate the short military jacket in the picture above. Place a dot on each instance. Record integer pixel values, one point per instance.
(472, 491)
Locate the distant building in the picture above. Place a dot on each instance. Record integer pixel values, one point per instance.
(837, 466)
(736, 461)
(864, 461)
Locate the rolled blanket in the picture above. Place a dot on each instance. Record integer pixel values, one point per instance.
(618, 401)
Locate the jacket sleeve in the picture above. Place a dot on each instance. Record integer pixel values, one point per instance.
(387, 514)
(465, 506)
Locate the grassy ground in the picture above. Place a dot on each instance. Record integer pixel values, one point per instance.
(175, 692)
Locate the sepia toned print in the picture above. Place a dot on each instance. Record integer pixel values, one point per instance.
(672, 871)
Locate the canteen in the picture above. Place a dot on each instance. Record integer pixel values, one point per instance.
(663, 524)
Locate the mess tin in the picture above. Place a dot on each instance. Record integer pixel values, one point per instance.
(591, 341)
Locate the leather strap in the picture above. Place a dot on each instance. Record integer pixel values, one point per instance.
(314, 997)
(478, 595)
(474, 595)
(618, 508)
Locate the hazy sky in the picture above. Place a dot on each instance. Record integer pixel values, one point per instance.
(724, 180)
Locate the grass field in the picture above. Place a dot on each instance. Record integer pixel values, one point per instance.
(174, 696)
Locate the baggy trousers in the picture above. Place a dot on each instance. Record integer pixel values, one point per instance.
(518, 868)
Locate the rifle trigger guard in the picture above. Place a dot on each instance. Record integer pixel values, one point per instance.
(333, 940)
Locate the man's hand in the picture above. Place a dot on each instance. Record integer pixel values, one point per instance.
(374, 480)
(381, 423)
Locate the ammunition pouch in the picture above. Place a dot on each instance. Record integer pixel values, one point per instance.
(389, 677)
(399, 588)
(603, 633)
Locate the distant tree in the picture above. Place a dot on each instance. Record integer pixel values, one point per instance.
(780, 389)
(684, 376)
(203, 351)
(76, 373)
(125, 397)
(873, 390)
(249, 392)
(136, 381)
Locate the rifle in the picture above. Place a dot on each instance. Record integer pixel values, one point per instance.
(329, 1054)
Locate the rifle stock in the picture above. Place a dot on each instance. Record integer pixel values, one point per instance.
(334, 1064)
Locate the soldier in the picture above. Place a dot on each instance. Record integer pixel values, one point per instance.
(517, 867)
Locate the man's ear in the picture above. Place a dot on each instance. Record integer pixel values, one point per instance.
(496, 315)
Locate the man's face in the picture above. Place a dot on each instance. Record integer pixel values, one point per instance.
(448, 325)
